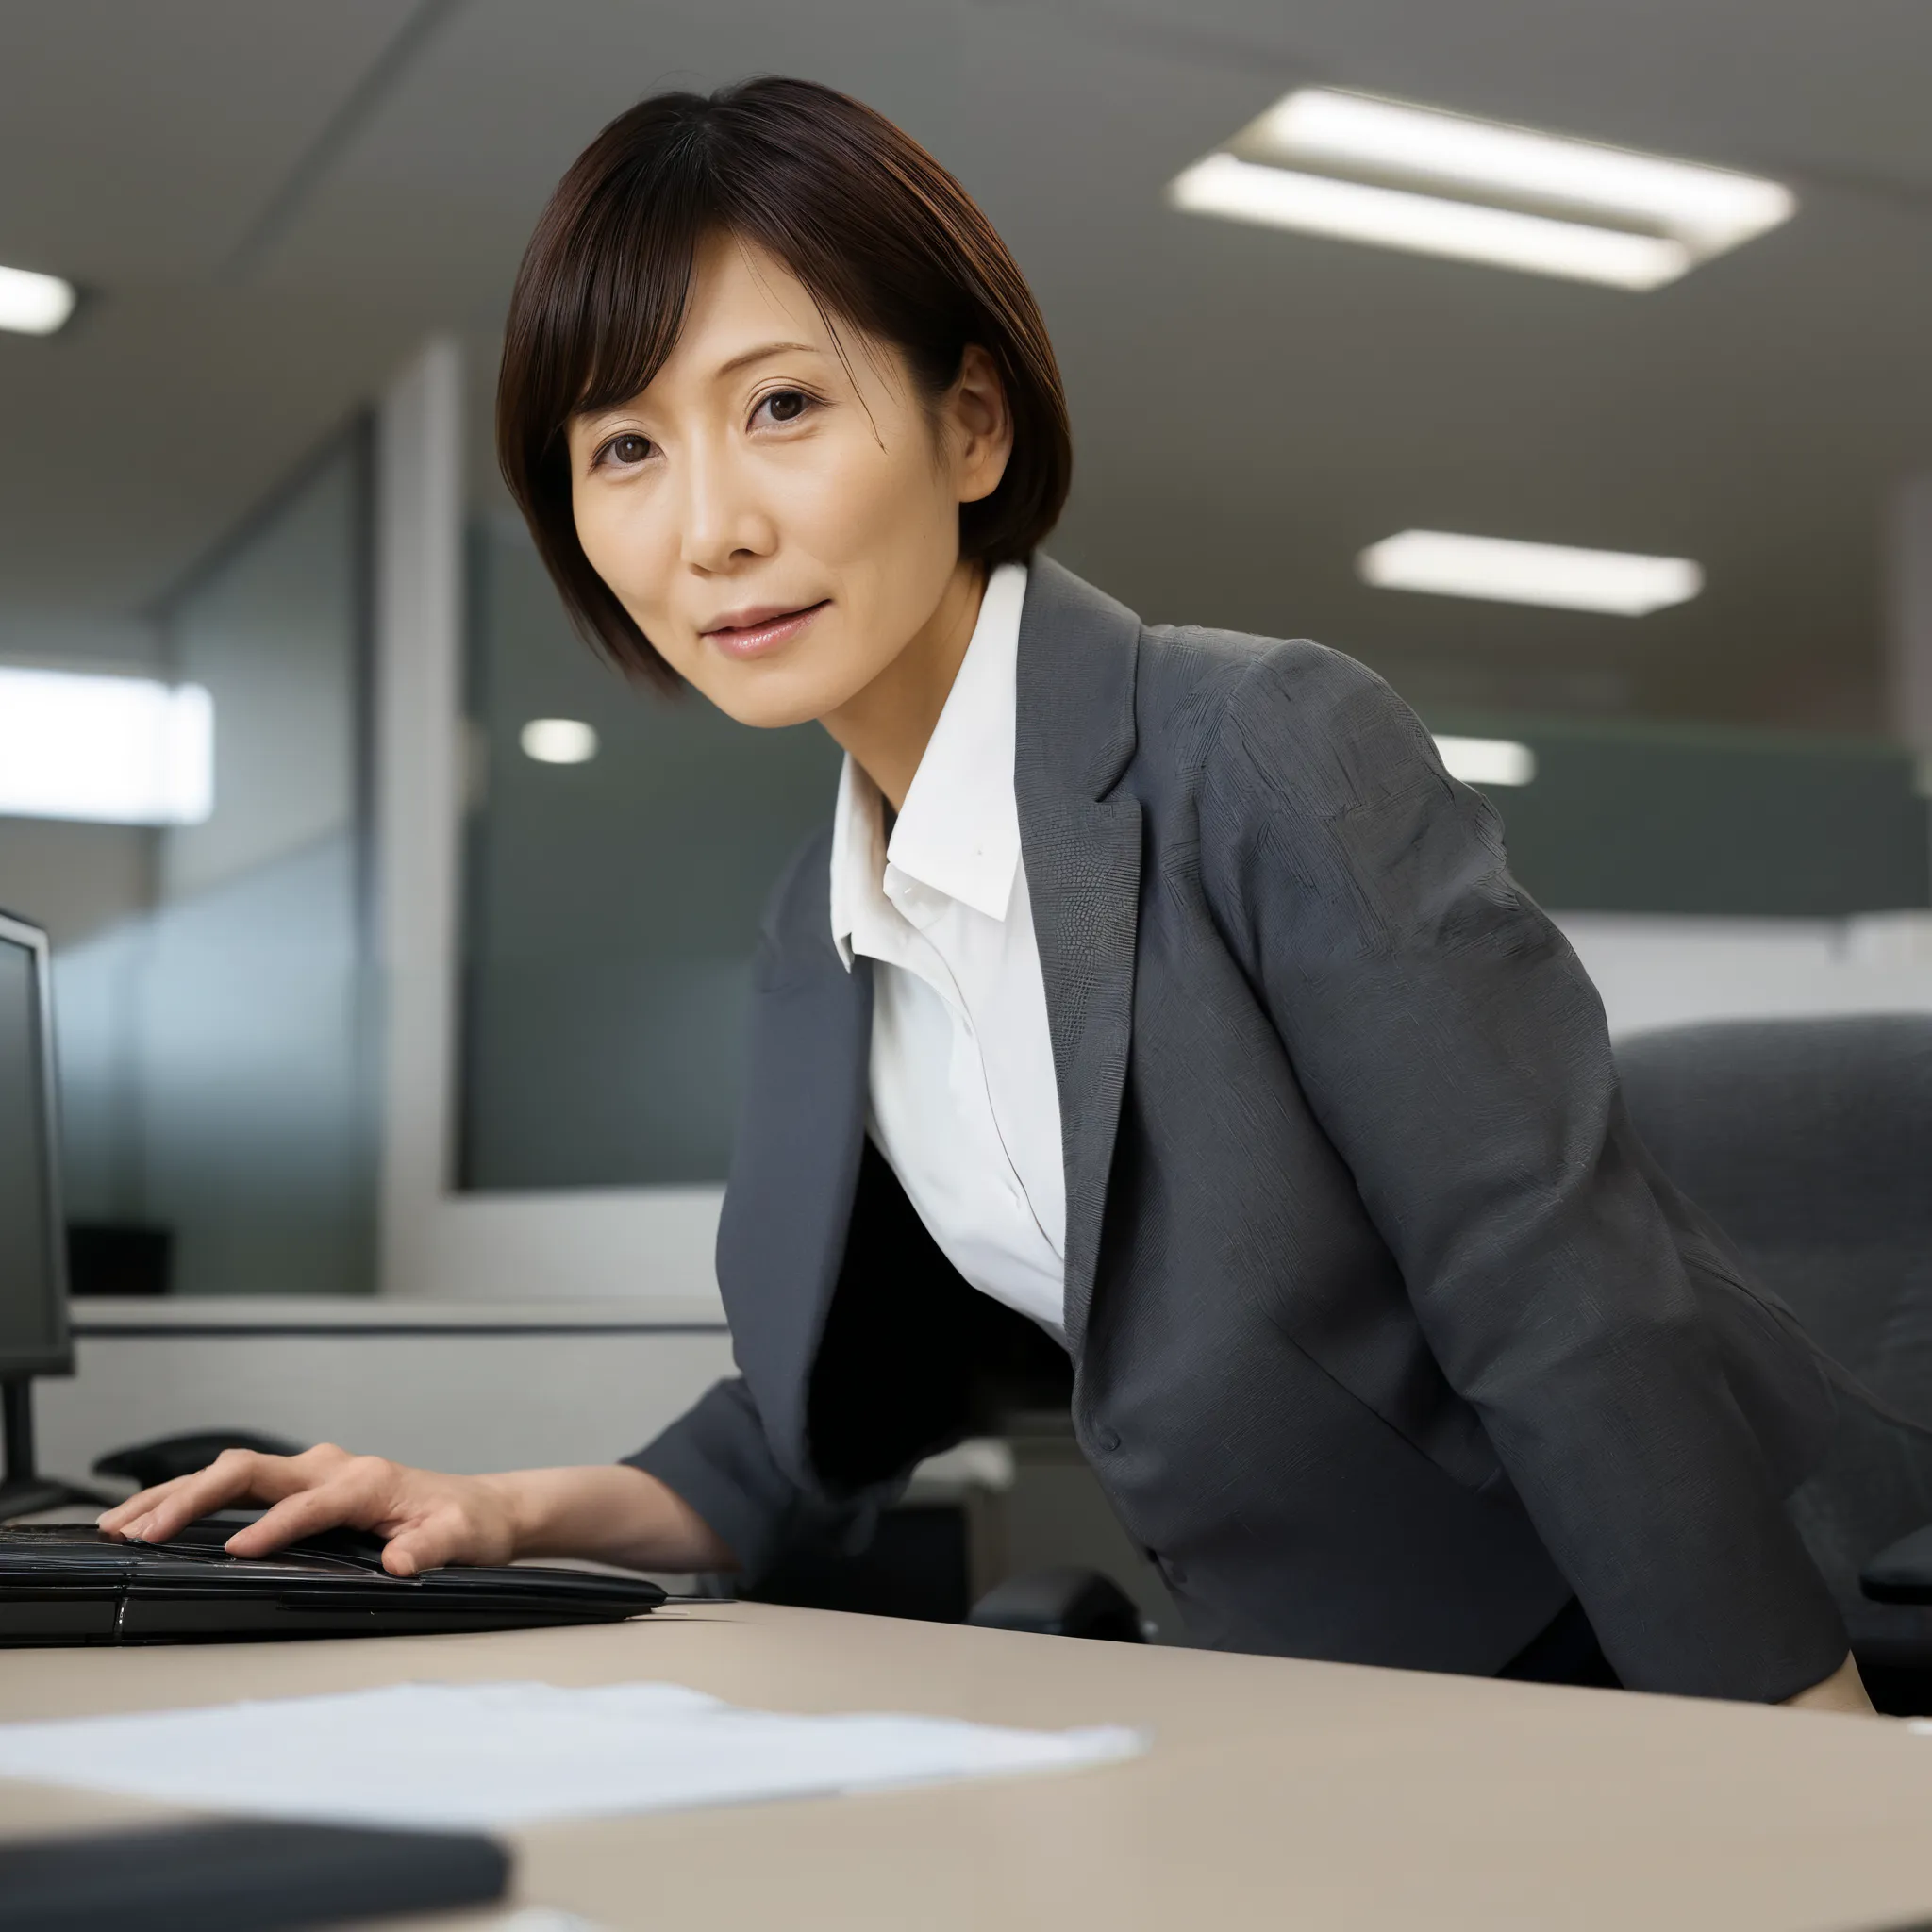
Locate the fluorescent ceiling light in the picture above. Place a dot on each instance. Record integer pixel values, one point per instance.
(125, 751)
(1425, 224)
(33, 305)
(1487, 760)
(559, 740)
(1508, 572)
(1403, 176)
(1714, 206)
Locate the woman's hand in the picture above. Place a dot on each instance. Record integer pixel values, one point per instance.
(614, 1512)
(428, 1519)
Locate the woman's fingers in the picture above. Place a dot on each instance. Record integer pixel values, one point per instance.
(225, 1480)
(359, 1490)
(422, 1546)
(138, 1505)
(235, 1475)
(290, 1519)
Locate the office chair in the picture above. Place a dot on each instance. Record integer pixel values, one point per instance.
(1810, 1141)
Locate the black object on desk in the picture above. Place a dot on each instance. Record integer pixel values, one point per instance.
(67, 1584)
(145, 1464)
(1063, 1601)
(119, 1258)
(242, 1877)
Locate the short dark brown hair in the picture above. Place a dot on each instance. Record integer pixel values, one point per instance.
(881, 234)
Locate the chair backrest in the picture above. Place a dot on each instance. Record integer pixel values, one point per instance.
(1810, 1143)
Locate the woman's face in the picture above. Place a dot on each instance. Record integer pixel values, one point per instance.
(780, 520)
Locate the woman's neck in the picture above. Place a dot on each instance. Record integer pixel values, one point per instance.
(886, 726)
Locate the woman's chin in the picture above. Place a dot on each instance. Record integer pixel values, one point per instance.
(773, 703)
(772, 693)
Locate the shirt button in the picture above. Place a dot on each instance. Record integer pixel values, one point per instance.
(1108, 1439)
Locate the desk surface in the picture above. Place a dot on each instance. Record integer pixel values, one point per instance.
(1278, 1794)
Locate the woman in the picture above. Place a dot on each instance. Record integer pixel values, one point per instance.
(1151, 991)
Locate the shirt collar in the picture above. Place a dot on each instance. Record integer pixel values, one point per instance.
(858, 853)
(959, 832)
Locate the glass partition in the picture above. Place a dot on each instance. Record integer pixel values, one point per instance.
(620, 847)
(218, 1073)
(1649, 817)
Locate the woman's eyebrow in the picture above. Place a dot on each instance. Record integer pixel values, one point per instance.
(590, 417)
(758, 355)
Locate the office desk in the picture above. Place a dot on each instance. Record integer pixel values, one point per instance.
(1277, 1794)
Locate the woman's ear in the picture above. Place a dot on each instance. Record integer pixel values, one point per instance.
(979, 425)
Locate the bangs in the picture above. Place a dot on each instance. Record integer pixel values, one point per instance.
(626, 286)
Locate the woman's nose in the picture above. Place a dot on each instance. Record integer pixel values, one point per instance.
(722, 521)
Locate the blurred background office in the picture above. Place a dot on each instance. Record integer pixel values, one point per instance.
(400, 946)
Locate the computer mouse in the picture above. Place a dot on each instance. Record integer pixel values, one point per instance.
(144, 1464)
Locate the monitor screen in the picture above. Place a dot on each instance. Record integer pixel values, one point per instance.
(33, 1287)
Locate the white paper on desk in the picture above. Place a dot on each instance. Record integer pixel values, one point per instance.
(469, 1755)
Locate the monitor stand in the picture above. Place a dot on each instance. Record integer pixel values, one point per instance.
(21, 1491)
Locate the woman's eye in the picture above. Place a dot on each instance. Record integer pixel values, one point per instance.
(786, 405)
(627, 450)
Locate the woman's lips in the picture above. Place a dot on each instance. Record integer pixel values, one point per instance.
(763, 631)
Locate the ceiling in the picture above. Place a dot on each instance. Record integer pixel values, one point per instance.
(270, 202)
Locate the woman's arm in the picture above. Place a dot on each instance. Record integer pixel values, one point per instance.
(1456, 1055)
(707, 1494)
(618, 1514)
(613, 1512)
(1844, 1691)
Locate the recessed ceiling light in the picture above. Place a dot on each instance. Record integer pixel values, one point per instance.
(559, 740)
(124, 751)
(34, 305)
(1402, 176)
(1507, 571)
(1487, 760)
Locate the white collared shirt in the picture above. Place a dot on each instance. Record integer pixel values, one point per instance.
(962, 1101)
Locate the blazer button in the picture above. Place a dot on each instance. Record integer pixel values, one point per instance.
(1108, 1439)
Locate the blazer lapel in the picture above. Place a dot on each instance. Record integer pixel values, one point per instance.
(795, 1166)
(1081, 845)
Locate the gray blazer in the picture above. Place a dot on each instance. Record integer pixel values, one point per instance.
(1387, 1336)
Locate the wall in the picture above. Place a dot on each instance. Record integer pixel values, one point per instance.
(73, 878)
(70, 877)
(1657, 971)
(499, 1389)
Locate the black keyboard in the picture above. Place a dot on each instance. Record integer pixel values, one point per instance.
(68, 1584)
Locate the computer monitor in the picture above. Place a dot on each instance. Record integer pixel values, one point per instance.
(33, 1268)
(34, 1339)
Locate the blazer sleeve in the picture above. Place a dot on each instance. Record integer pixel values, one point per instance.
(1456, 1055)
(716, 1458)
